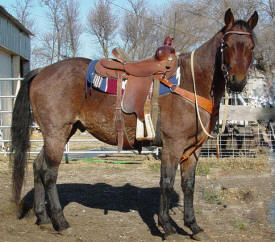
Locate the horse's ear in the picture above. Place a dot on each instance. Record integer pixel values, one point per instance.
(252, 22)
(229, 18)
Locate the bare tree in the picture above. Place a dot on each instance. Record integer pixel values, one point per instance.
(62, 40)
(22, 9)
(198, 21)
(55, 15)
(73, 27)
(102, 24)
(139, 30)
(43, 53)
(187, 21)
(269, 8)
(131, 30)
(266, 36)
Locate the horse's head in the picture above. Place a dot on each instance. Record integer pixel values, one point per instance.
(237, 49)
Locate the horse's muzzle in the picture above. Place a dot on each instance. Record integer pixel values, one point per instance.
(234, 85)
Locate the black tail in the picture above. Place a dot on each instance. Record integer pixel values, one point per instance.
(20, 134)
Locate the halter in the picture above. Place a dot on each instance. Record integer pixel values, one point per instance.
(223, 65)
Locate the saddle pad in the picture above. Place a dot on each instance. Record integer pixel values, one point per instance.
(103, 84)
(108, 85)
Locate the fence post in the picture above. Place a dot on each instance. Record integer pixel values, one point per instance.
(67, 149)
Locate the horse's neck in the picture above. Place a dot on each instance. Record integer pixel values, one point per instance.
(208, 77)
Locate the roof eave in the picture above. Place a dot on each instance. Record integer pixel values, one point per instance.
(14, 21)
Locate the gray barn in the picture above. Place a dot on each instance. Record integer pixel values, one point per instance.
(15, 52)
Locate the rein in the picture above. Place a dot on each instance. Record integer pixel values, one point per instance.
(197, 106)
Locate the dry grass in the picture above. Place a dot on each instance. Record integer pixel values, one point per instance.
(215, 193)
(4, 164)
(235, 165)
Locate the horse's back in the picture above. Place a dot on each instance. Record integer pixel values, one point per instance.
(61, 73)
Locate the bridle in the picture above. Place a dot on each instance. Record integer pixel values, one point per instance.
(223, 65)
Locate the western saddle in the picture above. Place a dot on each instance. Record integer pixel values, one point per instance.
(139, 76)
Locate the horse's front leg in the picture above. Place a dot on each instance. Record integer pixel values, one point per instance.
(188, 169)
(169, 165)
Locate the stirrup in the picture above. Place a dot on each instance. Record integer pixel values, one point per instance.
(149, 129)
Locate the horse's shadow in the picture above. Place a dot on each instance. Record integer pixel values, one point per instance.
(125, 198)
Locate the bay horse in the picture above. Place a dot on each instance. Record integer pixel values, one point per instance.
(59, 106)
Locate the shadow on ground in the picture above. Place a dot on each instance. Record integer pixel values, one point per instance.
(106, 197)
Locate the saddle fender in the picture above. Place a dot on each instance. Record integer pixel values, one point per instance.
(135, 95)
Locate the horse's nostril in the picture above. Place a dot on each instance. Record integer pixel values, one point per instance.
(235, 85)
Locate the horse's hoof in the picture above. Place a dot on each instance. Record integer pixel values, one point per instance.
(24, 210)
(67, 231)
(47, 220)
(169, 231)
(167, 227)
(200, 236)
(46, 227)
(173, 237)
(60, 225)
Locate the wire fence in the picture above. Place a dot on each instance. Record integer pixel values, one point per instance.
(241, 144)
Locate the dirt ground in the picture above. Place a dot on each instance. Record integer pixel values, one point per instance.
(104, 201)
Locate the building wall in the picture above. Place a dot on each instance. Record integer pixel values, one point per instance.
(9, 67)
(5, 65)
(11, 38)
(14, 62)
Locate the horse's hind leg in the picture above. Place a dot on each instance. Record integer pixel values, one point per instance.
(53, 151)
(46, 171)
(39, 190)
(188, 169)
(39, 166)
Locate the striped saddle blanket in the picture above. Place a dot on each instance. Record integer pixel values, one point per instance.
(109, 85)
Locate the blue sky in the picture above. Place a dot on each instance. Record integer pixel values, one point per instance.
(88, 46)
